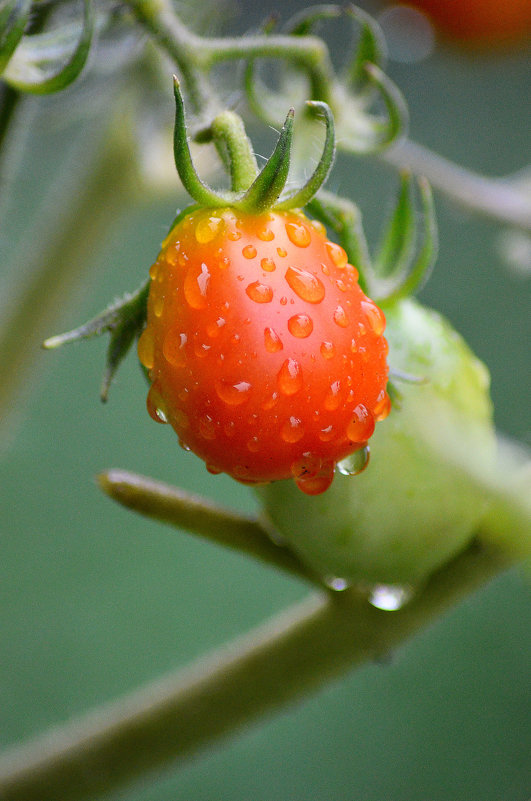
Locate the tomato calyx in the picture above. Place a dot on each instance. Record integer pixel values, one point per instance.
(252, 192)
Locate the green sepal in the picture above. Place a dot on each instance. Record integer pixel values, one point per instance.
(27, 71)
(13, 19)
(371, 49)
(397, 243)
(193, 184)
(268, 185)
(409, 273)
(302, 196)
(385, 132)
(124, 320)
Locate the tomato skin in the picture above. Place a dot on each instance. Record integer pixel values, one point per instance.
(479, 21)
(264, 354)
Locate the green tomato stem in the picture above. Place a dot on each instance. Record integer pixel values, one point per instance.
(297, 652)
(228, 132)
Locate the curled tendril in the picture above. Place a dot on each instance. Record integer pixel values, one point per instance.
(26, 69)
(361, 84)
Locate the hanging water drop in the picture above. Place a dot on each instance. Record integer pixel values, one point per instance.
(356, 463)
(390, 597)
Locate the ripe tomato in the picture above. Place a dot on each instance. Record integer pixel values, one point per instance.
(479, 21)
(264, 354)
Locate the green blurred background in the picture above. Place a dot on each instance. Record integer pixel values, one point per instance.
(94, 600)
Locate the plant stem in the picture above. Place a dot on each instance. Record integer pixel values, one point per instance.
(297, 652)
(200, 516)
(196, 55)
(494, 197)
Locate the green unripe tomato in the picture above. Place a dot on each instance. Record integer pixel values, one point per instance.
(412, 509)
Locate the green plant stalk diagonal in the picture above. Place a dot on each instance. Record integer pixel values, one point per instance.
(302, 649)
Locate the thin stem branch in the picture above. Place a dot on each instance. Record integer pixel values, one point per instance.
(297, 652)
(494, 197)
(200, 516)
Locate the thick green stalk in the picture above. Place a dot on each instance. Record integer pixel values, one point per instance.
(281, 661)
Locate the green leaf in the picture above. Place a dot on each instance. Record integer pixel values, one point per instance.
(14, 15)
(28, 70)
(123, 320)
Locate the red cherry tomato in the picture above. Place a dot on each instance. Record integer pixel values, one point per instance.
(479, 21)
(264, 354)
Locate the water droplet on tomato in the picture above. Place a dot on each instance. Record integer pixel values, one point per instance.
(375, 316)
(289, 377)
(292, 430)
(196, 287)
(340, 317)
(158, 305)
(153, 270)
(234, 235)
(272, 341)
(300, 325)
(224, 263)
(382, 407)
(319, 483)
(309, 464)
(249, 252)
(361, 427)
(326, 434)
(355, 463)
(268, 265)
(337, 255)
(260, 293)
(318, 226)
(146, 348)
(266, 235)
(213, 328)
(298, 234)
(155, 405)
(327, 350)
(233, 393)
(271, 402)
(305, 284)
(333, 397)
(207, 229)
(282, 252)
(173, 348)
(207, 428)
(253, 445)
(215, 471)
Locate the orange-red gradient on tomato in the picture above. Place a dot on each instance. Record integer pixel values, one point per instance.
(264, 354)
